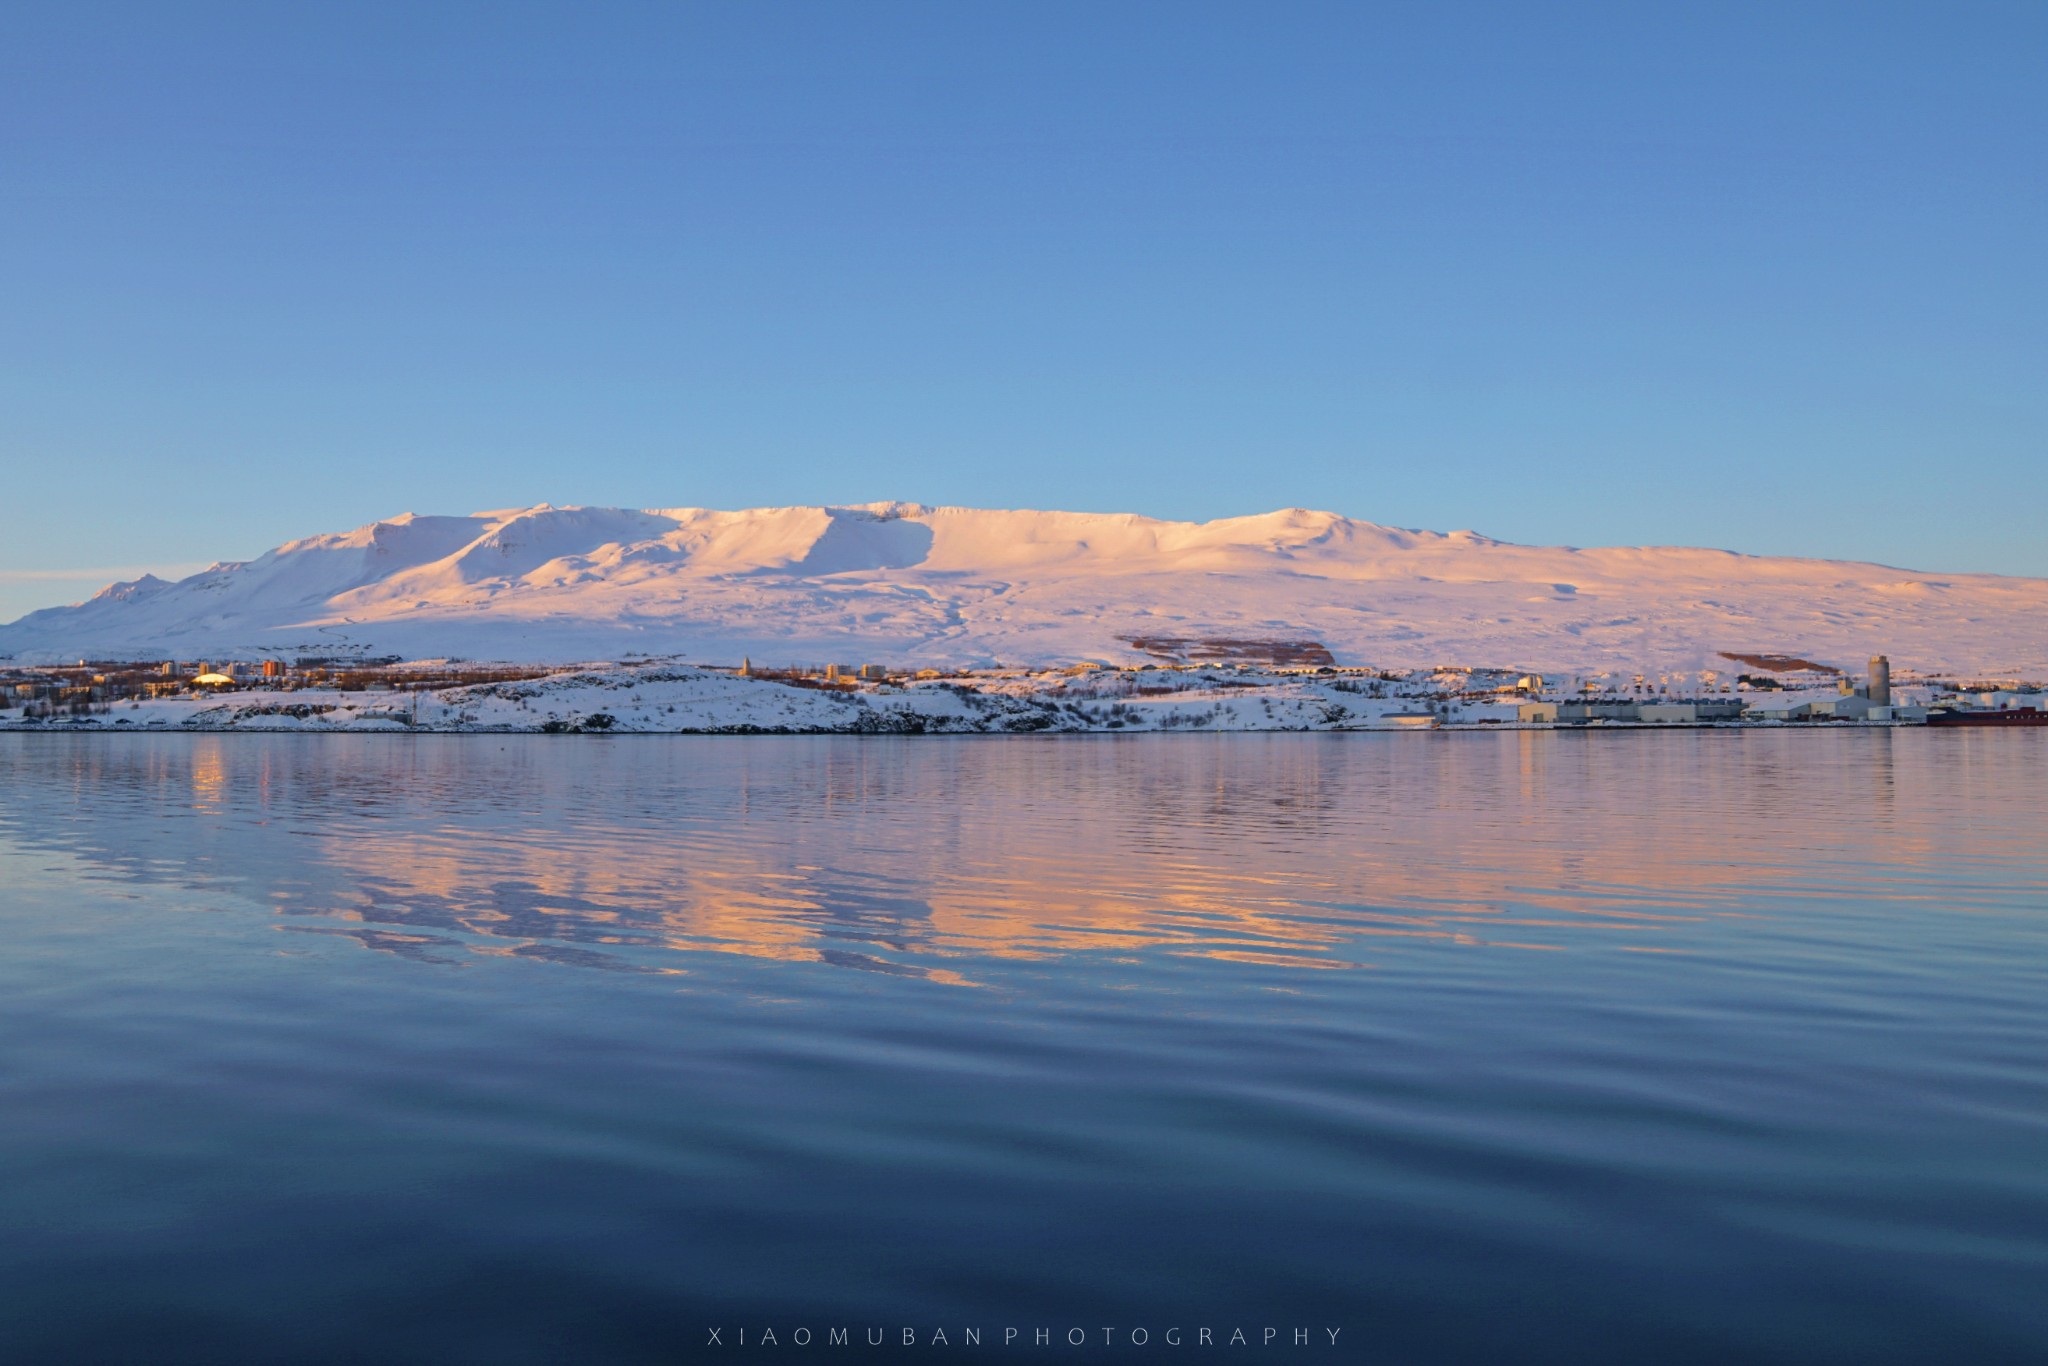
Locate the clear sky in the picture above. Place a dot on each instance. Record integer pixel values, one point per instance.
(1766, 277)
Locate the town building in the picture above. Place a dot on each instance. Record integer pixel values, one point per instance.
(1585, 711)
(1689, 712)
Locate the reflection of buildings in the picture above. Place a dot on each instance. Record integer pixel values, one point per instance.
(931, 857)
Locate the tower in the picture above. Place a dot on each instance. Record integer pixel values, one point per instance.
(1880, 681)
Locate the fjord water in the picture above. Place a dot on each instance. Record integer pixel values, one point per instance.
(1684, 1047)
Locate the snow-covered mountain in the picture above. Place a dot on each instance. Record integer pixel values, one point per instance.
(908, 584)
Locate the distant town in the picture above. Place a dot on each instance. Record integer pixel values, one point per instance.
(670, 695)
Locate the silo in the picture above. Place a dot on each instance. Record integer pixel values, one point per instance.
(1880, 681)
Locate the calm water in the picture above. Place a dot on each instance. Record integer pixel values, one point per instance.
(1692, 1047)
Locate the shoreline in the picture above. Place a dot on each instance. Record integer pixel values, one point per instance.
(757, 732)
(672, 699)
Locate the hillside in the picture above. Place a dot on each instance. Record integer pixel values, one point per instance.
(910, 584)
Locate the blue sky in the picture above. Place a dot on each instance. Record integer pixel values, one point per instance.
(1766, 277)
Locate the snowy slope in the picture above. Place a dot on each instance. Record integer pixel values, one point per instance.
(909, 584)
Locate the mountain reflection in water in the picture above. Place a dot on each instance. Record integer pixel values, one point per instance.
(928, 857)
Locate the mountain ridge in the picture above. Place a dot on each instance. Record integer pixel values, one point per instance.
(919, 583)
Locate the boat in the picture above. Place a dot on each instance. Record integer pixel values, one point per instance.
(1984, 716)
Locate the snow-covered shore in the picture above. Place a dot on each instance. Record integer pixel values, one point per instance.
(684, 699)
(668, 698)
